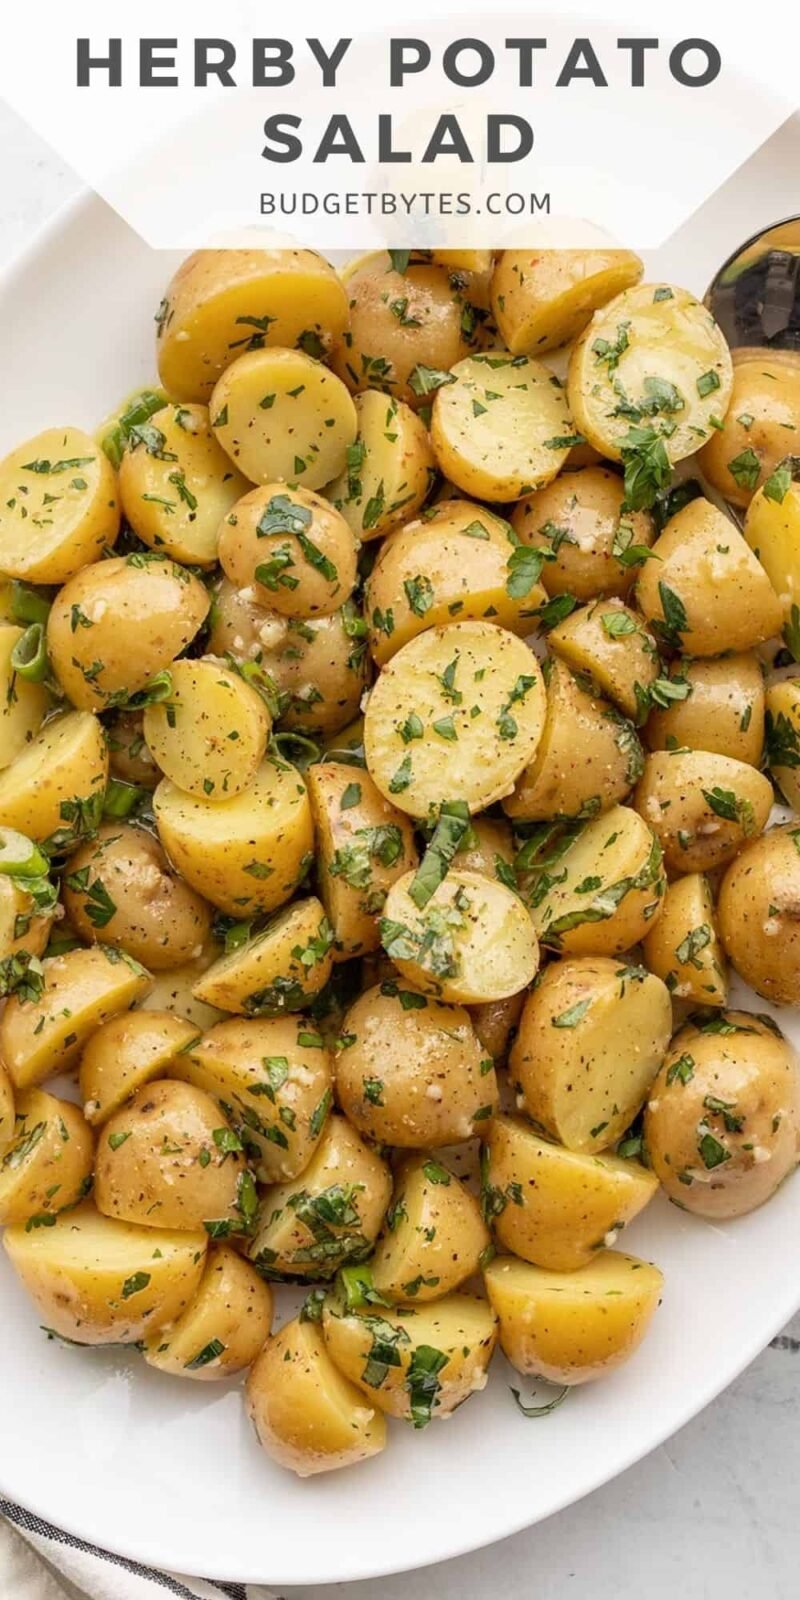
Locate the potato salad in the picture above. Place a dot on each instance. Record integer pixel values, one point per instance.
(396, 695)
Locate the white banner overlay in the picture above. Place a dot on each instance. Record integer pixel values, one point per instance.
(249, 123)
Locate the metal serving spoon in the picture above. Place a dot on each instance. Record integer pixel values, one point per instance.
(755, 295)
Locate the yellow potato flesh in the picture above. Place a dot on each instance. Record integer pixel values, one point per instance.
(22, 927)
(761, 426)
(544, 299)
(66, 763)
(224, 1327)
(99, 1281)
(281, 969)
(772, 530)
(213, 737)
(588, 759)
(394, 468)
(49, 1164)
(172, 992)
(82, 989)
(579, 918)
(723, 712)
(58, 506)
(364, 845)
(608, 641)
(556, 1207)
(783, 737)
(307, 1416)
(684, 948)
(176, 485)
(127, 1052)
(473, 941)
(459, 1327)
(471, 755)
(7, 1126)
(573, 1327)
(436, 1238)
(498, 430)
(22, 704)
(280, 415)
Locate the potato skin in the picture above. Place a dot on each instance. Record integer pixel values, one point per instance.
(459, 1326)
(66, 763)
(412, 1074)
(609, 641)
(306, 530)
(139, 611)
(169, 1159)
(782, 723)
(82, 989)
(176, 485)
(434, 1237)
(588, 758)
(721, 1125)
(722, 594)
(394, 472)
(23, 705)
(758, 914)
(723, 712)
(565, 1327)
(591, 1037)
(684, 946)
(307, 1416)
(620, 849)
(48, 1166)
(126, 1053)
(543, 299)
(578, 520)
(383, 347)
(223, 1328)
(156, 917)
(98, 1281)
(766, 393)
(363, 847)
(697, 832)
(22, 926)
(7, 1123)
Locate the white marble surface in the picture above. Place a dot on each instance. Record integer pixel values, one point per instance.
(715, 1511)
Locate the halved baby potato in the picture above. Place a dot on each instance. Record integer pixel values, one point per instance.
(459, 563)
(758, 914)
(416, 1364)
(390, 467)
(23, 704)
(573, 1327)
(281, 969)
(222, 1329)
(23, 927)
(701, 806)
(278, 414)
(210, 737)
(59, 507)
(762, 423)
(684, 946)
(98, 1281)
(274, 1079)
(82, 989)
(783, 737)
(591, 1038)
(48, 1166)
(723, 710)
(653, 357)
(471, 941)
(542, 299)
(57, 781)
(292, 547)
(591, 543)
(704, 592)
(467, 701)
(330, 1214)
(771, 529)
(176, 484)
(307, 1416)
(608, 640)
(245, 854)
(406, 329)
(554, 1207)
(598, 889)
(127, 1052)
(500, 428)
(434, 1237)
(120, 890)
(364, 845)
(588, 759)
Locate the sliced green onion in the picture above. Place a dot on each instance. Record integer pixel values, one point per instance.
(28, 605)
(358, 1289)
(296, 748)
(20, 857)
(139, 410)
(448, 836)
(121, 799)
(156, 690)
(29, 655)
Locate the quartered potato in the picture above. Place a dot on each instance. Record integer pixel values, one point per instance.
(701, 806)
(126, 1053)
(274, 1077)
(364, 845)
(761, 425)
(652, 358)
(48, 1166)
(23, 703)
(281, 969)
(54, 789)
(758, 914)
(173, 992)
(210, 737)
(609, 641)
(418, 1364)
(435, 1235)
(307, 1416)
(458, 711)
(82, 989)
(573, 1327)
(500, 427)
(470, 941)
(407, 329)
(772, 530)
(721, 1126)
(591, 1037)
(121, 623)
(596, 889)
(120, 890)
(221, 303)
(783, 738)
(223, 1328)
(588, 759)
(329, 1215)
(704, 591)
(59, 507)
(458, 563)
(292, 547)
(721, 710)
(98, 1281)
(176, 484)
(278, 414)
(543, 299)
(410, 1071)
(555, 1207)
(245, 854)
(592, 544)
(684, 946)
(390, 467)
